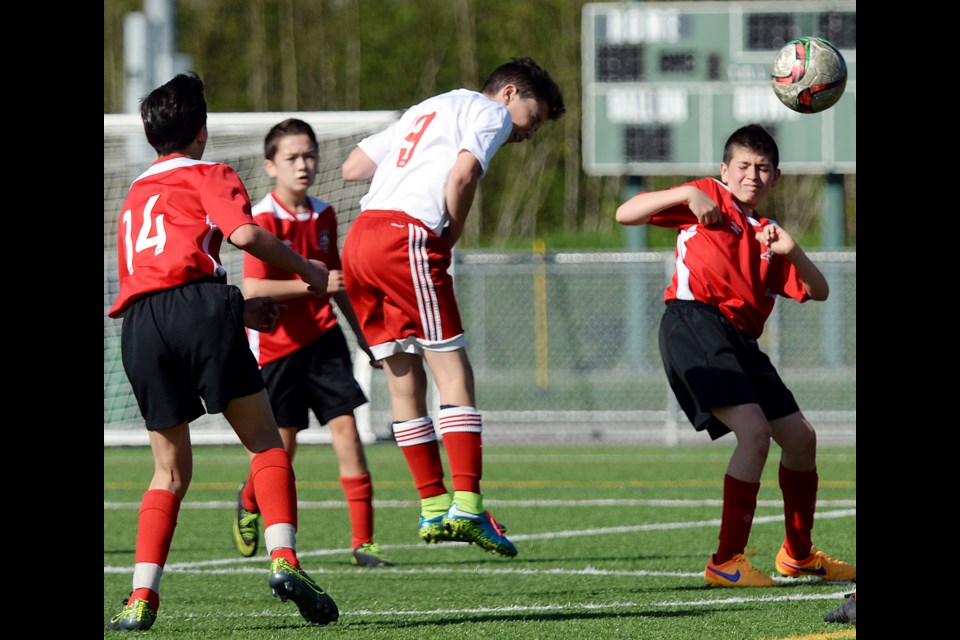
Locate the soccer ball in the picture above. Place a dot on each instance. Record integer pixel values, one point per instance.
(809, 75)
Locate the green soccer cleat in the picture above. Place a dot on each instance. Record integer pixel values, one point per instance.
(432, 530)
(480, 529)
(369, 555)
(246, 530)
(135, 616)
(289, 583)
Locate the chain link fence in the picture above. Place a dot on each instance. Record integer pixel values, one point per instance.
(564, 350)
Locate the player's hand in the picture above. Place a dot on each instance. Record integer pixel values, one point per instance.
(706, 210)
(376, 364)
(776, 239)
(261, 314)
(335, 281)
(318, 279)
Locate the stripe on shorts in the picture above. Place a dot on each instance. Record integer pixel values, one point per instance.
(422, 284)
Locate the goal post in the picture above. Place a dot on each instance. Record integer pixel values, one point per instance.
(236, 139)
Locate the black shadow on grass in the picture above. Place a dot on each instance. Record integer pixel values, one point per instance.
(546, 617)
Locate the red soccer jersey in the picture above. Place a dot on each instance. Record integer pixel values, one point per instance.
(725, 266)
(313, 235)
(172, 224)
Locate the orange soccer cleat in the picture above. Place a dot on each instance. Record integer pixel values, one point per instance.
(735, 572)
(819, 565)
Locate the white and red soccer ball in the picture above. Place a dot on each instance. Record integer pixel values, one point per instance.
(809, 75)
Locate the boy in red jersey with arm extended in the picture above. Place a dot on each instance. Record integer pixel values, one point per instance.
(184, 344)
(396, 266)
(731, 264)
(305, 360)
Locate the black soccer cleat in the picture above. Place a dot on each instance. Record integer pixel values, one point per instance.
(289, 583)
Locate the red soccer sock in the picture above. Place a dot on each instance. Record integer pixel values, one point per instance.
(461, 429)
(427, 468)
(248, 495)
(287, 554)
(465, 453)
(418, 441)
(152, 597)
(358, 490)
(158, 520)
(739, 507)
(275, 487)
(799, 503)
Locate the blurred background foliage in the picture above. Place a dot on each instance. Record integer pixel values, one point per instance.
(333, 55)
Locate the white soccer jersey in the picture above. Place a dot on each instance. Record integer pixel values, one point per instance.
(414, 155)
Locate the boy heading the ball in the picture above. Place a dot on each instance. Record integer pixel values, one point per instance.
(731, 264)
(183, 340)
(396, 259)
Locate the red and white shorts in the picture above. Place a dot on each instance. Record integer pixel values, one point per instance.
(396, 273)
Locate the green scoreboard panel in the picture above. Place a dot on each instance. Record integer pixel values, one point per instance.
(665, 84)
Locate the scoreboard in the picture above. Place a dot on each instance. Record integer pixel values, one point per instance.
(665, 84)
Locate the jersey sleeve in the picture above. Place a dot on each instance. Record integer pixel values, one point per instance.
(793, 286)
(680, 216)
(491, 128)
(225, 199)
(784, 280)
(378, 145)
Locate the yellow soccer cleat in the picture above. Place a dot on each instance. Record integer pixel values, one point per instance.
(291, 583)
(135, 616)
(369, 555)
(735, 572)
(819, 565)
(246, 530)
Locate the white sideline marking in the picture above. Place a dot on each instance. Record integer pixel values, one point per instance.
(554, 535)
(210, 566)
(397, 504)
(570, 606)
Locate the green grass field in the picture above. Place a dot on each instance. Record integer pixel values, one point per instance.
(612, 544)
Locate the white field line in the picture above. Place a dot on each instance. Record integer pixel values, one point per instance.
(552, 535)
(404, 504)
(209, 566)
(568, 606)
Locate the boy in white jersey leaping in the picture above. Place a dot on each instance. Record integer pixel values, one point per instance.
(396, 257)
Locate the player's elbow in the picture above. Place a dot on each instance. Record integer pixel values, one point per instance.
(629, 215)
(244, 236)
(820, 292)
(621, 216)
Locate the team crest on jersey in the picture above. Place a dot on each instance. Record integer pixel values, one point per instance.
(735, 227)
(324, 241)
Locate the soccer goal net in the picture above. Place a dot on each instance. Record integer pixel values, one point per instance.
(236, 139)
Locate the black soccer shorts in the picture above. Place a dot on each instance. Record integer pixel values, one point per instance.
(710, 363)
